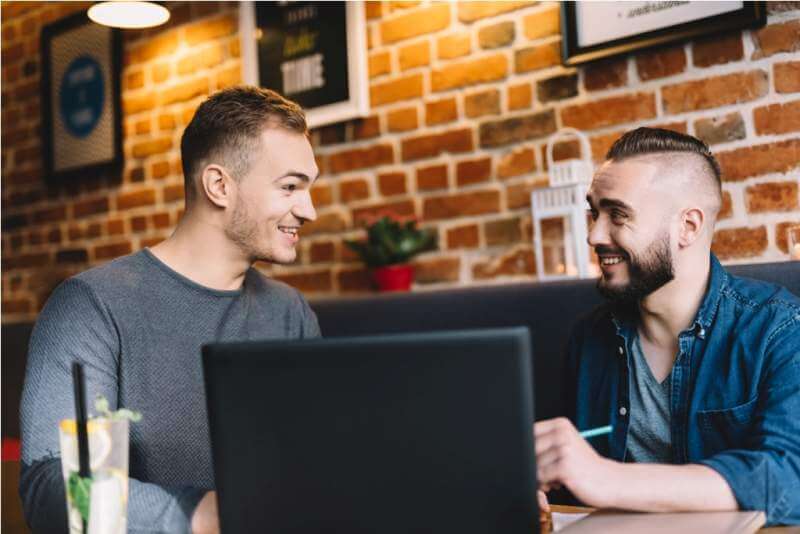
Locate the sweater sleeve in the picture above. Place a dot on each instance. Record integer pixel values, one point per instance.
(75, 326)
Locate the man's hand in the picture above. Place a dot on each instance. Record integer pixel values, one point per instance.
(563, 457)
(205, 519)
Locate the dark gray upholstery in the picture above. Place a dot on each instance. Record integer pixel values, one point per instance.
(548, 309)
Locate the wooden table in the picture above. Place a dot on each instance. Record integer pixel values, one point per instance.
(584, 510)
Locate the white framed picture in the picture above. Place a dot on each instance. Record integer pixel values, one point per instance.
(314, 53)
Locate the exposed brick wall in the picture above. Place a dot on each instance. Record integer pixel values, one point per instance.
(463, 98)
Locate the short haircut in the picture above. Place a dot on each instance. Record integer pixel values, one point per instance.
(227, 127)
(644, 141)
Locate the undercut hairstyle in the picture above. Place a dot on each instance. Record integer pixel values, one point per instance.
(227, 127)
(672, 147)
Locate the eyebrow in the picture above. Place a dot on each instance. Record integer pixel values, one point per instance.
(610, 203)
(297, 174)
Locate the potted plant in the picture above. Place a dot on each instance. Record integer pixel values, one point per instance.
(389, 245)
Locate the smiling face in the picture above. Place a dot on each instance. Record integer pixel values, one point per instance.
(273, 199)
(631, 231)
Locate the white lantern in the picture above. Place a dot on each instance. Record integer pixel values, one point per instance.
(565, 199)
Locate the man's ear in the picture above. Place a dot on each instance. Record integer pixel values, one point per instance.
(693, 221)
(217, 185)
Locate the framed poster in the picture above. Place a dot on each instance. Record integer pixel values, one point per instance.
(311, 52)
(80, 98)
(594, 30)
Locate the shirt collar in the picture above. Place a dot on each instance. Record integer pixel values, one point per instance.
(625, 317)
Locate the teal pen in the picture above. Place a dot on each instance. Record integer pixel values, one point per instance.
(592, 432)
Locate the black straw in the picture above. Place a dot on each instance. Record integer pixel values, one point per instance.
(80, 421)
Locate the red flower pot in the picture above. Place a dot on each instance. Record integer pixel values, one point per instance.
(393, 277)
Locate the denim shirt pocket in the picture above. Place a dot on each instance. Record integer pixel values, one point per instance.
(726, 428)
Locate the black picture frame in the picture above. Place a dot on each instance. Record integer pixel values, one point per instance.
(749, 15)
(82, 116)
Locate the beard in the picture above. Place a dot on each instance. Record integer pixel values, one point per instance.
(242, 230)
(647, 272)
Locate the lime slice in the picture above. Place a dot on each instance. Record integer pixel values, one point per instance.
(99, 444)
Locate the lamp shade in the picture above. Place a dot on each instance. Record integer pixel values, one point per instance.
(129, 15)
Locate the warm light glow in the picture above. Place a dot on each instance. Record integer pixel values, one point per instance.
(129, 15)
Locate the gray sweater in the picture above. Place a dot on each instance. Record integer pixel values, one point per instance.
(137, 326)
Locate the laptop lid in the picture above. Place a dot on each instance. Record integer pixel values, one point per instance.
(424, 432)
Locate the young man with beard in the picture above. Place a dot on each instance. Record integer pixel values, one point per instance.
(137, 323)
(697, 371)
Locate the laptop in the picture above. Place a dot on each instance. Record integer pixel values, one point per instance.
(427, 432)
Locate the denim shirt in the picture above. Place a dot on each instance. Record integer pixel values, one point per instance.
(735, 397)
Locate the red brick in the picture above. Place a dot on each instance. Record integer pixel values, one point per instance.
(166, 122)
(207, 57)
(142, 127)
(392, 183)
(517, 162)
(463, 237)
(483, 103)
(739, 242)
(209, 30)
(366, 128)
(138, 223)
(453, 46)
(321, 194)
(354, 280)
(26, 261)
(473, 171)
(24, 155)
(472, 11)
(406, 88)
(537, 57)
(360, 158)
(134, 80)
(502, 232)
(721, 129)
(661, 63)
(437, 270)
(184, 91)
(787, 77)
(782, 234)
(431, 178)
(332, 133)
(325, 224)
(777, 38)
(418, 22)
(415, 55)
(606, 74)
(777, 118)
(470, 72)
(380, 63)
(12, 306)
(542, 24)
(398, 5)
(152, 147)
(713, 92)
(160, 170)
(350, 190)
(308, 282)
(113, 250)
(51, 214)
(610, 111)
(228, 77)
(135, 199)
(160, 72)
(428, 146)
(718, 50)
(726, 210)
(161, 220)
(519, 96)
(92, 206)
(12, 54)
(518, 261)
(516, 129)
(496, 35)
(374, 9)
(402, 120)
(440, 111)
(519, 195)
(164, 45)
(756, 160)
(367, 215)
(138, 103)
(771, 196)
(322, 251)
(461, 205)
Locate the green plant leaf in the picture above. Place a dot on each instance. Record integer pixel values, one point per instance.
(80, 493)
(103, 410)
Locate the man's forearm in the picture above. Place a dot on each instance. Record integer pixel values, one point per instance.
(668, 488)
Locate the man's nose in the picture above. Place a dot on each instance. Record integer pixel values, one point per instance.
(598, 233)
(304, 209)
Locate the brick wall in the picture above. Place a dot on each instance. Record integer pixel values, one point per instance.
(463, 98)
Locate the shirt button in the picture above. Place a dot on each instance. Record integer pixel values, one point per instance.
(623, 410)
(621, 351)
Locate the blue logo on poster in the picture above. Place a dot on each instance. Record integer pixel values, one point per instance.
(81, 94)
